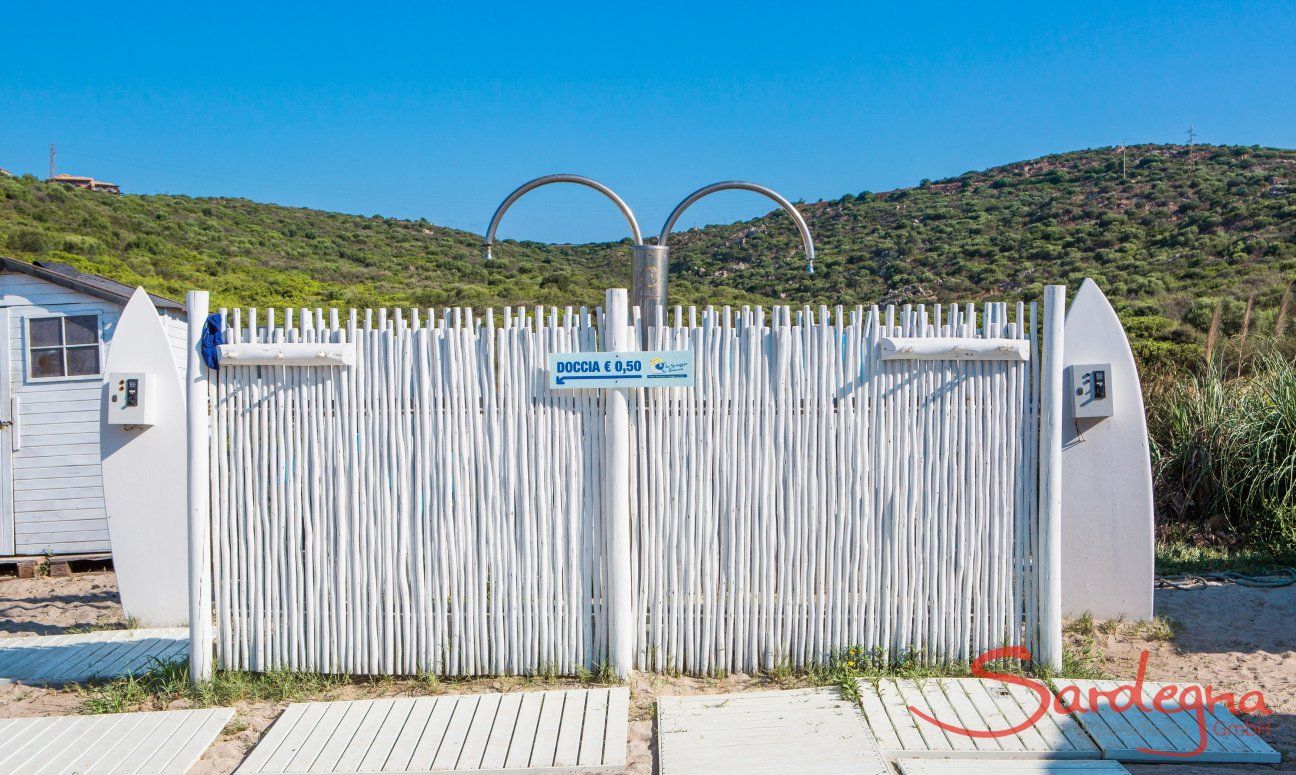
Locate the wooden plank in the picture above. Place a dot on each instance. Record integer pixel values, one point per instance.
(38, 740)
(1072, 736)
(1162, 735)
(567, 751)
(880, 722)
(434, 733)
(1007, 767)
(24, 651)
(152, 743)
(616, 735)
(353, 715)
(897, 703)
(53, 660)
(187, 747)
(380, 747)
(957, 700)
(970, 703)
(545, 748)
(469, 733)
(296, 737)
(804, 731)
(502, 731)
(593, 728)
(525, 731)
(456, 732)
(324, 730)
(126, 729)
(364, 735)
(403, 747)
(474, 745)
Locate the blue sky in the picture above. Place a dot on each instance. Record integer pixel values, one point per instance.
(438, 110)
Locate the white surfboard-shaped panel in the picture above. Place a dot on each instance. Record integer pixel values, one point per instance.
(1107, 533)
(144, 476)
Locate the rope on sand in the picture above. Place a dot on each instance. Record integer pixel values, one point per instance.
(1282, 577)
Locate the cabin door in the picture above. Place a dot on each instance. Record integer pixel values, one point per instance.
(8, 439)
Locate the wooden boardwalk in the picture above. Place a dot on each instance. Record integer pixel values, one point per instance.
(567, 731)
(62, 659)
(806, 732)
(970, 703)
(1009, 767)
(1135, 736)
(157, 743)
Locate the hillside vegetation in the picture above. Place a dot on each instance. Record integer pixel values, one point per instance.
(1176, 236)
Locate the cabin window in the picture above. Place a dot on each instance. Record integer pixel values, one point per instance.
(64, 346)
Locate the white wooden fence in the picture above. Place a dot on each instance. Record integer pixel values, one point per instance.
(436, 508)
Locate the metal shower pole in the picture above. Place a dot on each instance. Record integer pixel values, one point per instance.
(650, 263)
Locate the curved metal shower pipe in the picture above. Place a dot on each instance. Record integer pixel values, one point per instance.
(517, 194)
(742, 185)
(648, 284)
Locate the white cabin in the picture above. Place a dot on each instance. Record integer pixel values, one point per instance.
(56, 325)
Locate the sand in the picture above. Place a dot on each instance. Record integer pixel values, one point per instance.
(1232, 637)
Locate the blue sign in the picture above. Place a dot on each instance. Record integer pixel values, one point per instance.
(621, 369)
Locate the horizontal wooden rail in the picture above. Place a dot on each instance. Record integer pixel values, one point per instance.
(289, 354)
(895, 348)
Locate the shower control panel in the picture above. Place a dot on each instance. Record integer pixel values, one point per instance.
(130, 399)
(1091, 390)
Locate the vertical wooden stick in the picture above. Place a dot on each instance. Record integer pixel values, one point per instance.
(617, 494)
(1051, 479)
(200, 604)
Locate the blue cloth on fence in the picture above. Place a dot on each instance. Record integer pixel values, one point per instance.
(212, 338)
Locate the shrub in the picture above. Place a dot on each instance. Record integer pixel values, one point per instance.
(28, 241)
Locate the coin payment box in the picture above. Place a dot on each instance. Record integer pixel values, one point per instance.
(1091, 390)
(130, 399)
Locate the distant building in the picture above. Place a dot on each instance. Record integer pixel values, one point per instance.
(6, 172)
(81, 181)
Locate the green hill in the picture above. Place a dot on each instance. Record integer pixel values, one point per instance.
(1175, 235)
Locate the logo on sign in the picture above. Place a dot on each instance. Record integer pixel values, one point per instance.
(663, 366)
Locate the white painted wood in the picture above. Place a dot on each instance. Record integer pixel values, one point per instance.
(152, 743)
(339, 354)
(980, 705)
(428, 476)
(63, 659)
(949, 348)
(618, 337)
(143, 477)
(1107, 532)
(483, 733)
(198, 401)
(9, 440)
(1133, 734)
(804, 731)
(975, 704)
(1049, 558)
(48, 411)
(1007, 767)
(437, 508)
